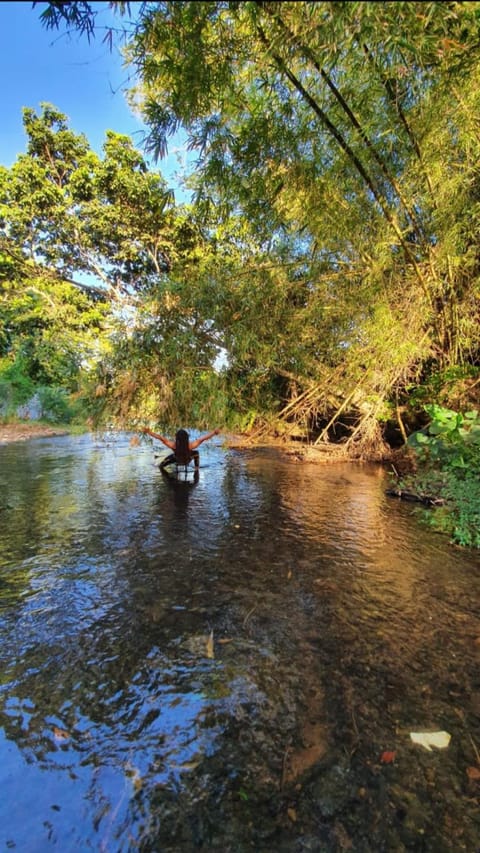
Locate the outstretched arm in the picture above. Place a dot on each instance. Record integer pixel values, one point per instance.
(198, 441)
(165, 441)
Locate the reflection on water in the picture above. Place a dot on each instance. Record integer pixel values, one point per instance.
(221, 664)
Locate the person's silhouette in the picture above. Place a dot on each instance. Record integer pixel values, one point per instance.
(184, 450)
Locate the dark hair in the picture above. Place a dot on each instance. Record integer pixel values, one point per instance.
(182, 450)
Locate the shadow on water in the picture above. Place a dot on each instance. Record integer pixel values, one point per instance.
(229, 664)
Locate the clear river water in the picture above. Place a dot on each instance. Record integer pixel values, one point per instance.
(232, 664)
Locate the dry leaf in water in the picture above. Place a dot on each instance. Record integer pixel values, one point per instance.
(473, 773)
(60, 734)
(210, 652)
(388, 757)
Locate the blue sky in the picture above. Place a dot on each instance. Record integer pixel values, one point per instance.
(84, 81)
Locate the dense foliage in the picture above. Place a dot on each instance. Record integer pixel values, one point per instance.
(49, 326)
(449, 454)
(90, 251)
(337, 163)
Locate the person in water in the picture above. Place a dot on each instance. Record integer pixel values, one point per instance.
(184, 450)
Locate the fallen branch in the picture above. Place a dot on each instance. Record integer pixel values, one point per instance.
(427, 500)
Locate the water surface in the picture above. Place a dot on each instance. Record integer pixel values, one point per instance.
(229, 665)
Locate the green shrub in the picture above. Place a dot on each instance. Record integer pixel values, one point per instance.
(448, 451)
(54, 404)
(17, 387)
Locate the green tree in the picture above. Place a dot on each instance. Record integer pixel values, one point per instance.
(75, 212)
(95, 252)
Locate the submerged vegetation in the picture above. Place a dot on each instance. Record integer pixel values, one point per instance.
(322, 284)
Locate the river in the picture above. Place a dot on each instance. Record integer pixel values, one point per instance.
(232, 664)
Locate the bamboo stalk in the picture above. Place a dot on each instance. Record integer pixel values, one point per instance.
(337, 413)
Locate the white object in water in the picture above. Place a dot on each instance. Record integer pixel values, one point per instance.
(428, 739)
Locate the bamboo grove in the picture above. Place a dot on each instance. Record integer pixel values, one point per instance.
(324, 280)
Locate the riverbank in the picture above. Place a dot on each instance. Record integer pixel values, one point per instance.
(22, 431)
